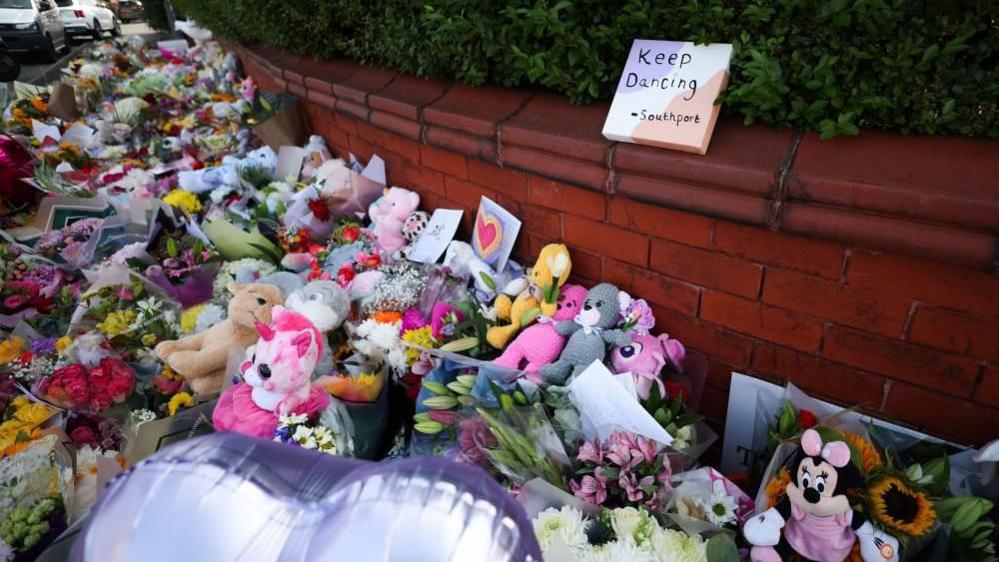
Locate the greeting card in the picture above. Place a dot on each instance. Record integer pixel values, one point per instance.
(494, 233)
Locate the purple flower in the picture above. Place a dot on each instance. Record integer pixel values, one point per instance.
(591, 452)
(591, 489)
(636, 314)
(632, 486)
(412, 320)
(43, 346)
(623, 450)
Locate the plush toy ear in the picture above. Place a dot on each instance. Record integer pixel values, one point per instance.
(837, 453)
(265, 331)
(414, 199)
(674, 350)
(302, 342)
(811, 443)
(234, 287)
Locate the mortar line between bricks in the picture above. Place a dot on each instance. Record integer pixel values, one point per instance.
(367, 96)
(499, 129)
(419, 112)
(784, 172)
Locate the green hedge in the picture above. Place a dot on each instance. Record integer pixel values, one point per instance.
(830, 65)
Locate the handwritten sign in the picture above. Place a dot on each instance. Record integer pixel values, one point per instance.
(666, 96)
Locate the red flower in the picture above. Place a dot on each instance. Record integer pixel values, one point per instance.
(345, 275)
(351, 233)
(674, 389)
(374, 259)
(806, 419)
(84, 435)
(319, 209)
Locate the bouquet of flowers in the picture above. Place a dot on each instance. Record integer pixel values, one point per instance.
(130, 317)
(622, 534)
(70, 244)
(622, 470)
(185, 268)
(92, 390)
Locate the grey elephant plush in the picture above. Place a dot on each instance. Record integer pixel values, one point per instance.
(591, 332)
(326, 304)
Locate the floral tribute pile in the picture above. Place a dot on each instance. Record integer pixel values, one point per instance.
(161, 265)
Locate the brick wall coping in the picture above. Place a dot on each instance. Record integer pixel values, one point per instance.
(933, 197)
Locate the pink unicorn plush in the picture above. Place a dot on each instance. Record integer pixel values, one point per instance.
(539, 344)
(277, 378)
(645, 358)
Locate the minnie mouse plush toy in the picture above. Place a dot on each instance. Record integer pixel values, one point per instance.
(815, 516)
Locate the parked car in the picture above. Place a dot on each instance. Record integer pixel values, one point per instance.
(130, 10)
(32, 26)
(88, 17)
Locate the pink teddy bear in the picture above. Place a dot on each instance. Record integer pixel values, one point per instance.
(539, 344)
(277, 378)
(645, 358)
(389, 216)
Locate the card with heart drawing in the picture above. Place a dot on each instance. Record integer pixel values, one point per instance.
(494, 233)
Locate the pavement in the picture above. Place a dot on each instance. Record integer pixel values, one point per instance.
(34, 71)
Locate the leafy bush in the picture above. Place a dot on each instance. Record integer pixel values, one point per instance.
(917, 66)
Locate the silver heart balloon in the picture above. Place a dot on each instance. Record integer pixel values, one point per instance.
(228, 497)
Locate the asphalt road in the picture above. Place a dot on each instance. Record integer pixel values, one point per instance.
(36, 72)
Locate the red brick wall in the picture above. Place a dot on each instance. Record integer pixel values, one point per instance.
(911, 339)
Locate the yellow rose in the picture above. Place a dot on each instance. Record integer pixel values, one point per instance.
(11, 349)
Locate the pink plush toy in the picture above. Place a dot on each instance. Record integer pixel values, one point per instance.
(539, 344)
(645, 358)
(389, 216)
(277, 378)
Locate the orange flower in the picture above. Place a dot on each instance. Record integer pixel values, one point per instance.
(870, 458)
(775, 489)
(901, 508)
(387, 316)
(39, 105)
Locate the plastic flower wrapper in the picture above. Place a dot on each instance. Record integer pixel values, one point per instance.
(332, 432)
(130, 314)
(526, 444)
(36, 290)
(185, 267)
(442, 393)
(35, 483)
(703, 500)
(361, 391)
(691, 436)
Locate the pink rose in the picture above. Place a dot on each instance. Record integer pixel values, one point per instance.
(14, 302)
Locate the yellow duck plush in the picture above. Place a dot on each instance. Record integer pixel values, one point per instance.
(548, 274)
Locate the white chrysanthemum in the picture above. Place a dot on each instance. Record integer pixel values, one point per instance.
(719, 508)
(566, 523)
(678, 546)
(618, 551)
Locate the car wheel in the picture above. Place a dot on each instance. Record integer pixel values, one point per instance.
(50, 54)
(96, 32)
(115, 28)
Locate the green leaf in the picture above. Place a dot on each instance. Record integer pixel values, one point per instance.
(171, 247)
(969, 513)
(721, 548)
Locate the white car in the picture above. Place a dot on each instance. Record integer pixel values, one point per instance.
(88, 17)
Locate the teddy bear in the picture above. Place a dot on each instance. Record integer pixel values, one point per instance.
(389, 216)
(815, 519)
(589, 334)
(201, 358)
(462, 260)
(539, 297)
(550, 272)
(645, 358)
(540, 344)
(326, 304)
(277, 379)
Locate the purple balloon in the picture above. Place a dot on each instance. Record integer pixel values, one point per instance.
(231, 497)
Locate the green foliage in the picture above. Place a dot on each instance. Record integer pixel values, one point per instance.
(917, 66)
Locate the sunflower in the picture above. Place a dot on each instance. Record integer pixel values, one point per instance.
(776, 488)
(870, 458)
(899, 507)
